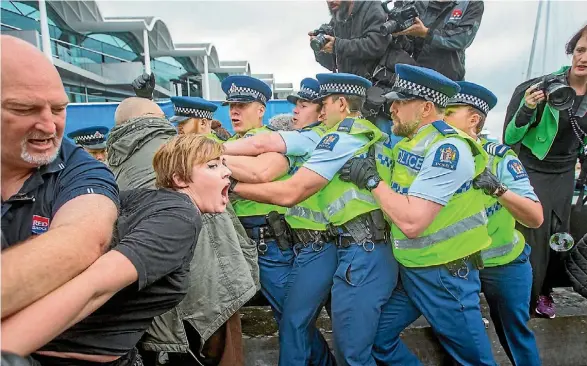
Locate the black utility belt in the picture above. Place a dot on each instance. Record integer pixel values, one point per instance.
(370, 227)
(459, 267)
(305, 236)
(259, 232)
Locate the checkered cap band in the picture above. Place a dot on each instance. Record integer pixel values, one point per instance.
(241, 91)
(193, 112)
(471, 100)
(339, 88)
(308, 93)
(411, 88)
(97, 136)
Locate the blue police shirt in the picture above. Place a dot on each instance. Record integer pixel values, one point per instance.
(333, 151)
(73, 173)
(440, 177)
(511, 172)
(300, 142)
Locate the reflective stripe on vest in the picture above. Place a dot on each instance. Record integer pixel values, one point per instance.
(306, 213)
(347, 196)
(501, 250)
(471, 222)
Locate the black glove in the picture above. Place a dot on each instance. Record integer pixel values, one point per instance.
(489, 184)
(360, 171)
(144, 86)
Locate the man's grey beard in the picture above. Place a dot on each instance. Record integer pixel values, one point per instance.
(342, 13)
(38, 159)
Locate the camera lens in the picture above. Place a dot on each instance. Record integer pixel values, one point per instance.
(388, 27)
(318, 42)
(560, 96)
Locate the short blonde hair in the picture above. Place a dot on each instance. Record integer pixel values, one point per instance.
(178, 156)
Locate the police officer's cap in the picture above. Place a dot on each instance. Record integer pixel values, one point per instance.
(414, 82)
(474, 95)
(191, 107)
(309, 90)
(93, 138)
(342, 83)
(245, 89)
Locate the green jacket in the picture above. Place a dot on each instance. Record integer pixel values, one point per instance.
(536, 137)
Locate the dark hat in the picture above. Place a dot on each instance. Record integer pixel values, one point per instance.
(414, 82)
(93, 138)
(474, 95)
(309, 90)
(245, 89)
(191, 107)
(342, 83)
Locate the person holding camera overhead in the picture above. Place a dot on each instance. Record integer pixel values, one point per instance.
(351, 42)
(440, 33)
(547, 120)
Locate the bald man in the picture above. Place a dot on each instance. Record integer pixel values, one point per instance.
(58, 203)
(140, 128)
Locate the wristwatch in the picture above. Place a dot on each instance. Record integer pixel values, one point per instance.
(233, 183)
(372, 182)
(501, 189)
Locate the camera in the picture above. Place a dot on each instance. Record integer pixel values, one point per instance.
(399, 17)
(318, 43)
(559, 94)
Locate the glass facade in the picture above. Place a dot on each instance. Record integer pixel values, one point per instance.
(88, 52)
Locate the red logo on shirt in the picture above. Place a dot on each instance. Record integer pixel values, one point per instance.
(457, 14)
(40, 224)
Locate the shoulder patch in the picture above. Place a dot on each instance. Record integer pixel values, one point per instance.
(496, 149)
(444, 128)
(446, 156)
(271, 128)
(328, 142)
(516, 169)
(346, 125)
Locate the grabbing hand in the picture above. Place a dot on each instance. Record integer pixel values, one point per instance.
(144, 86)
(418, 29)
(533, 97)
(489, 184)
(329, 46)
(359, 171)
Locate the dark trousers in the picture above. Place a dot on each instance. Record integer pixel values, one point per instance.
(555, 192)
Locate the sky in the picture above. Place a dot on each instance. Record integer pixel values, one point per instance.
(272, 36)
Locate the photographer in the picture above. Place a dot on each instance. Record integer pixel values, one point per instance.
(442, 33)
(548, 123)
(353, 43)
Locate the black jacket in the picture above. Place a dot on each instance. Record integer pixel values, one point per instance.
(359, 46)
(444, 48)
(576, 265)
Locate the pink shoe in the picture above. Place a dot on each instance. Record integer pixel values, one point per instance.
(545, 306)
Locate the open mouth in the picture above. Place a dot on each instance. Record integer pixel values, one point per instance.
(41, 143)
(224, 193)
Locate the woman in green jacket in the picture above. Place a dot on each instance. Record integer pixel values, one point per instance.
(550, 142)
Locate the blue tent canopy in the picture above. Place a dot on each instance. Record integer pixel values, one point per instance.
(81, 115)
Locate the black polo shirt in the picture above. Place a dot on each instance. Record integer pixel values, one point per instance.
(73, 173)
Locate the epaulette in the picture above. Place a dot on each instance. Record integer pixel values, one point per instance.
(346, 125)
(444, 128)
(496, 149)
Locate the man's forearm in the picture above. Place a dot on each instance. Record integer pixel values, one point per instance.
(256, 145)
(526, 211)
(74, 241)
(37, 324)
(277, 193)
(394, 205)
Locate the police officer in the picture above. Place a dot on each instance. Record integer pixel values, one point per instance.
(366, 272)
(310, 279)
(438, 221)
(247, 98)
(506, 279)
(92, 139)
(194, 115)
